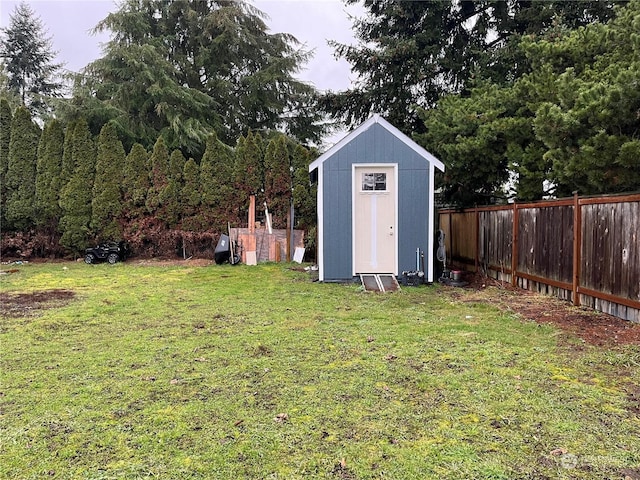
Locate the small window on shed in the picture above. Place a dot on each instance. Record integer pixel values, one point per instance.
(374, 182)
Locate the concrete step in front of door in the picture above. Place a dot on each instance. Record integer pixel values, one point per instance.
(379, 282)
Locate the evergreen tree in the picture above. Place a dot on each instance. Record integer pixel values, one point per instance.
(410, 54)
(67, 167)
(174, 210)
(304, 193)
(469, 136)
(190, 197)
(21, 171)
(5, 137)
(217, 194)
(570, 124)
(248, 173)
(76, 195)
(185, 68)
(107, 197)
(158, 179)
(28, 59)
(277, 180)
(136, 182)
(48, 181)
(589, 120)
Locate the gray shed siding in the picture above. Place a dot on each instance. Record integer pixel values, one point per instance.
(375, 145)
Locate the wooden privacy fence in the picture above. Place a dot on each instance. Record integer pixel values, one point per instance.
(582, 249)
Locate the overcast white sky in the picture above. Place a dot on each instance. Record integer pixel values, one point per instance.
(312, 22)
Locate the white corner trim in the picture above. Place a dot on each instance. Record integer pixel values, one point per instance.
(320, 225)
(430, 222)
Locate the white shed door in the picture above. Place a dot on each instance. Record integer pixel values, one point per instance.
(374, 222)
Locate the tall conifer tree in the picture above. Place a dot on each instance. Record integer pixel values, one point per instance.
(5, 137)
(158, 178)
(304, 193)
(107, 197)
(277, 180)
(174, 210)
(410, 54)
(48, 181)
(190, 196)
(29, 59)
(185, 68)
(76, 196)
(217, 193)
(136, 182)
(21, 171)
(248, 173)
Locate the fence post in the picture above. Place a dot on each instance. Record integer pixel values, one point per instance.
(577, 247)
(476, 237)
(514, 246)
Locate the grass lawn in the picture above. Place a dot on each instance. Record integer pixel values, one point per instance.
(256, 372)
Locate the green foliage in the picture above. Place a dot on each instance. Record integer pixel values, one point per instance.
(68, 165)
(76, 196)
(158, 178)
(150, 103)
(411, 54)
(304, 193)
(185, 68)
(28, 59)
(173, 191)
(470, 135)
(277, 180)
(48, 179)
(136, 182)
(218, 197)
(20, 178)
(589, 124)
(248, 174)
(190, 197)
(570, 124)
(5, 137)
(107, 196)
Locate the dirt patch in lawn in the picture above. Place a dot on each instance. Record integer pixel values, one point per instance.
(17, 305)
(172, 262)
(593, 327)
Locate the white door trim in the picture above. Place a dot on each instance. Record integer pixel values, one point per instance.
(354, 192)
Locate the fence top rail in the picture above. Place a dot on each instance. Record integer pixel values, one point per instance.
(609, 199)
(586, 200)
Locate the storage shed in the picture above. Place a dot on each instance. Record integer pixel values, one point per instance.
(375, 204)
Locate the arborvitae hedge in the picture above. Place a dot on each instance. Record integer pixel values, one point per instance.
(107, 196)
(158, 179)
(171, 197)
(216, 176)
(190, 197)
(5, 136)
(76, 196)
(277, 180)
(136, 182)
(21, 171)
(48, 176)
(249, 172)
(64, 192)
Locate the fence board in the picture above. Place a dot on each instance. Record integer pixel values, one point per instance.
(495, 239)
(606, 273)
(462, 237)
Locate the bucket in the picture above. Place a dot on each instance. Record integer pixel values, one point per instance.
(456, 275)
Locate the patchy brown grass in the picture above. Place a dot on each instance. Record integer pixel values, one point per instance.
(18, 305)
(594, 328)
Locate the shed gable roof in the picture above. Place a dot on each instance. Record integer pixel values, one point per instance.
(377, 119)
